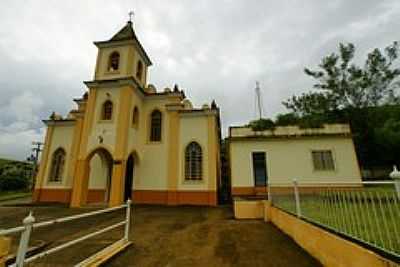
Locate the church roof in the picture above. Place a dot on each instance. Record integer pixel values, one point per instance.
(127, 33)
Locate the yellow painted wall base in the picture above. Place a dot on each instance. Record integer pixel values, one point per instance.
(248, 209)
(329, 249)
(5, 244)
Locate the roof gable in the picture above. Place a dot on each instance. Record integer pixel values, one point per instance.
(127, 34)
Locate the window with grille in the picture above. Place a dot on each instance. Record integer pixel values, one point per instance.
(193, 162)
(113, 63)
(107, 110)
(323, 160)
(57, 165)
(155, 128)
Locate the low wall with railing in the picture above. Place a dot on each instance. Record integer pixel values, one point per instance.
(340, 225)
(369, 214)
(330, 249)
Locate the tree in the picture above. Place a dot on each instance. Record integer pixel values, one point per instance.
(359, 95)
(342, 85)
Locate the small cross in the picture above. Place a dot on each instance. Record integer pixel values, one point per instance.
(131, 14)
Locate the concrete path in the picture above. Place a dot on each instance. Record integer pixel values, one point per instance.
(169, 236)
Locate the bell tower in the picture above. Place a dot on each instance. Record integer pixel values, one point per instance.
(122, 57)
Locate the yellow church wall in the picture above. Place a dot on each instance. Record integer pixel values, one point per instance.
(129, 58)
(289, 159)
(102, 73)
(134, 64)
(106, 129)
(158, 168)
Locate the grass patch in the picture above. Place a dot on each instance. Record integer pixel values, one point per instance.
(9, 195)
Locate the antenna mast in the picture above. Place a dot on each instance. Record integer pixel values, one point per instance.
(259, 103)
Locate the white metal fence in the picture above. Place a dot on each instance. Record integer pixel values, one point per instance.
(29, 224)
(368, 213)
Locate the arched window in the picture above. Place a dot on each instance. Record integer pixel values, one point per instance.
(156, 123)
(107, 110)
(113, 63)
(135, 116)
(57, 165)
(139, 70)
(193, 162)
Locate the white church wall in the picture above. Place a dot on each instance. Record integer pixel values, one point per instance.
(62, 137)
(193, 128)
(289, 159)
(151, 170)
(98, 173)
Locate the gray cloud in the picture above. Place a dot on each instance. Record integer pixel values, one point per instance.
(212, 49)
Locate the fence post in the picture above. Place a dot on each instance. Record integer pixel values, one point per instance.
(297, 197)
(24, 241)
(397, 186)
(395, 175)
(128, 219)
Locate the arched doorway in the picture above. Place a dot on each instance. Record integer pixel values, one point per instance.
(129, 176)
(100, 173)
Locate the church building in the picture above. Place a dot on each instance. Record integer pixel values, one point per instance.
(126, 139)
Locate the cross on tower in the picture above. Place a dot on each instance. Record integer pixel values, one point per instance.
(131, 14)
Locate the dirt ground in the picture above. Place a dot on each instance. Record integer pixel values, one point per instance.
(166, 236)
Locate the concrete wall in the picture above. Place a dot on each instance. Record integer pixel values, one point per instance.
(291, 158)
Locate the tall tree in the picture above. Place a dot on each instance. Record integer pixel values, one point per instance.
(341, 84)
(345, 91)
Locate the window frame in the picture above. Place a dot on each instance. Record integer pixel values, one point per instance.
(103, 111)
(135, 117)
(57, 175)
(139, 70)
(152, 138)
(327, 164)
(195, 174)
(110, 61)
(254, 169)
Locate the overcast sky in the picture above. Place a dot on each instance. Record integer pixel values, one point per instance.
(212, 49)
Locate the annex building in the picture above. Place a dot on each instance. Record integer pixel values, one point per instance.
(126, 140)
(317, 157)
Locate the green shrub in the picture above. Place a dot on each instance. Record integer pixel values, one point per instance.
(287, 119)
(311, 122)
(12, 181)
(262, 125)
